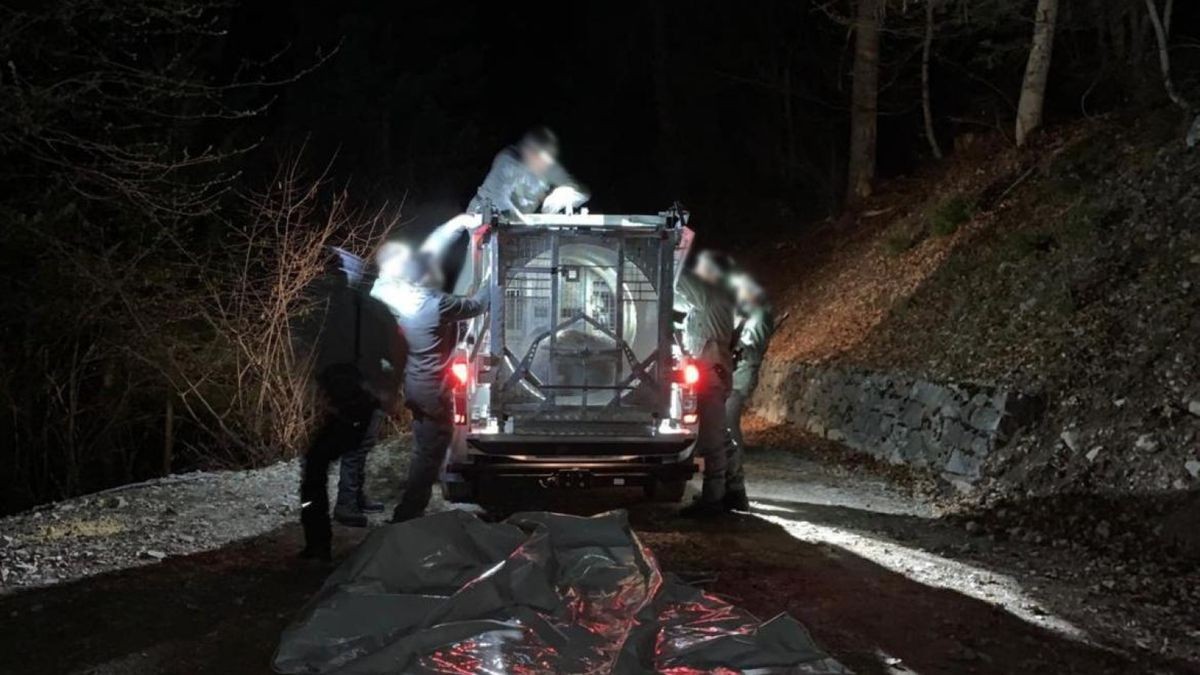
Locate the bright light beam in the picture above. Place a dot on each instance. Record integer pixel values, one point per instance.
(927, 568)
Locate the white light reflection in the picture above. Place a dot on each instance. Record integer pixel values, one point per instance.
(927, 568)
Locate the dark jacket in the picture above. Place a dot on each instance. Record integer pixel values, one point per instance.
(429, 320)
(757, 325)
(358, 344)
(511, 187)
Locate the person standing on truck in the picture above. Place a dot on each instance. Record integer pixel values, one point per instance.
(429, 318)
(708, 338)
(358, 360)
(755, 323)
(524, 178)
(527, 178)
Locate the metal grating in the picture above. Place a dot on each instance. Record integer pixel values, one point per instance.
(581, 315)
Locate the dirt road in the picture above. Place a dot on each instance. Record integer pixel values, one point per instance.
(879, 580)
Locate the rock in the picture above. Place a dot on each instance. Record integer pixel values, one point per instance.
(1192, 466)
(1070, 438)
(1194, 407)
(972, 527)
(1094, 453)
(1103, 530)
(114, 502)
(150, 554)
(1146, 443)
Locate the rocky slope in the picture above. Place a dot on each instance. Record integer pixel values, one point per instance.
(1069, 272)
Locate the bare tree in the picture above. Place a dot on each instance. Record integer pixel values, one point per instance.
(926, 104)
(111, 111)
(116, 135)
(1162, 32)
(864, 101)
(249, 388)
(1037, 71)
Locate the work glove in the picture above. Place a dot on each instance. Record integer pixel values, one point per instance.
(563, 199)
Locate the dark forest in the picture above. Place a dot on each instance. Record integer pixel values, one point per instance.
(169, 166)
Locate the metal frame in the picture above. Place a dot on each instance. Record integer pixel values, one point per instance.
(665, 227)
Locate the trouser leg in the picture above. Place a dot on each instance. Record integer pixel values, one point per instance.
(431, 438)
(734, 406)
(353, 466)
(712, 437)
(735, 477)
(314, 478)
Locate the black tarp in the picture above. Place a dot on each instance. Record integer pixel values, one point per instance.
(537, 593)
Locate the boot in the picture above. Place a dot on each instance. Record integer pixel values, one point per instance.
(702, 509)
(711, 501)
(316, 552)
(736, 500)
(368, 505)
(406, 511)
(350, 516)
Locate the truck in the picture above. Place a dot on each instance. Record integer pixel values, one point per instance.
(576, 377)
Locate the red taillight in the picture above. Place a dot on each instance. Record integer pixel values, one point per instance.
(690, 374)
(460, 371)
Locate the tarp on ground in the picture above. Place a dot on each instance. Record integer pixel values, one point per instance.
(537, 593)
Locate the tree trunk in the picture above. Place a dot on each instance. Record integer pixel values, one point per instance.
(865, 102)
(1117, 29)
(926, 105)
(1137, 48)
(1160, 25)
(1037, 71)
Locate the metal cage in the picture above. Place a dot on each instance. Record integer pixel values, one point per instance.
(578, 339)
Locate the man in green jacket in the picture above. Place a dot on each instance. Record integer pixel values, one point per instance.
(708, 337)
(754, 325)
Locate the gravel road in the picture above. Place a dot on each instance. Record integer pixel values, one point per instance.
(198, 575)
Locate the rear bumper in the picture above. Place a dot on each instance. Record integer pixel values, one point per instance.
(514, 465)
(549, 447)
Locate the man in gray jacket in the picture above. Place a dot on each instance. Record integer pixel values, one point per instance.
(527, 178)
(429, 319)
(708, 338)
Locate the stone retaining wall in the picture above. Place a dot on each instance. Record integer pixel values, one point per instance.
(947, 427)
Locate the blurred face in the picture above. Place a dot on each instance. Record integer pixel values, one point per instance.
(707, 270)
(391, 259)
(537, 159)
(748, 293)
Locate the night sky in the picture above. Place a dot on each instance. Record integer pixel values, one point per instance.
(652, 102)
